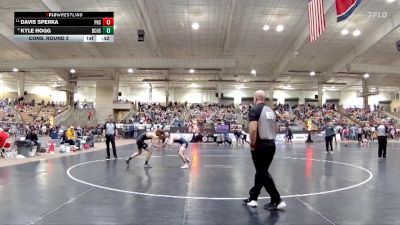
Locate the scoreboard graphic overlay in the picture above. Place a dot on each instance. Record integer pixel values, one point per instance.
(64, 26)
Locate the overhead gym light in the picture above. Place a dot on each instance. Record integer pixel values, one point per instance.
(193, 85)
(195, 26)
(344, 32)
(265, 27)
(356, 33)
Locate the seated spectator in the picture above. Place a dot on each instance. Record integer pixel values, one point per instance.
(32, 136)
(70, 136)
(90, 139)
(3, 138)
(53, 133)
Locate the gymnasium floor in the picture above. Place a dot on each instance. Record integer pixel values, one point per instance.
(351, 186)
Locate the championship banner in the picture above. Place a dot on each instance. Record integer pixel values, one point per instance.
(344, 8)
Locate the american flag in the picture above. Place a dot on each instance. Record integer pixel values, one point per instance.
(316, 18)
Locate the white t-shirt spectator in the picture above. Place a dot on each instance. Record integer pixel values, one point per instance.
(44, 129)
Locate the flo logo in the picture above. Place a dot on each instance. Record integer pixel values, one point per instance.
(379, 15)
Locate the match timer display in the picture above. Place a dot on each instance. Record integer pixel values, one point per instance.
(64, 26)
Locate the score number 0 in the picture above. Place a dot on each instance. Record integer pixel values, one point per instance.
(108, 22)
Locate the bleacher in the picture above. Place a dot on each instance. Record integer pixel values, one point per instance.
(318, 116)
(6, 115)
(367, 116)
(28, 113)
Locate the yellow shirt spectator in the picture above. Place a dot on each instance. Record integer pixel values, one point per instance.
(71, 134)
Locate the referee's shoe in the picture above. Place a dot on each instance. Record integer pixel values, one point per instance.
(251, 203)
(273, 206)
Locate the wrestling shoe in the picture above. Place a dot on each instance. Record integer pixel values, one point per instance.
(251, 203)
(185, 166)
(273, 206)
(147, 166)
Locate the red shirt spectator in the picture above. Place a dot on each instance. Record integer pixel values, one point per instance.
(3, 137)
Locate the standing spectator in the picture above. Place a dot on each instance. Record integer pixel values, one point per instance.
(244, 138)
(289, 134)
(374, 134)
(131, 132)
(44, 129)
(359, 134)
(237, 134)
(353, 130)
(339, 130)
(262, 136)
(110, 131)
(392, 132)
(89, 115)
(346, 135)
(329, 133)
(382, 139)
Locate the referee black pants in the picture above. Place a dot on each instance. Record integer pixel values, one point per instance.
(382, 143)
(262, 158)
(111, 138)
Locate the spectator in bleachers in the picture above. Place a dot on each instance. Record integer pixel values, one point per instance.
(319, 115)
(367, 116)
(39, 112)
(207, 114)
(286, 117)
(155, 113)
(6, 114)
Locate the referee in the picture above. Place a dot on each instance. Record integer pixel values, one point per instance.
(110, 131)
(382, 139)
(262, 129)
